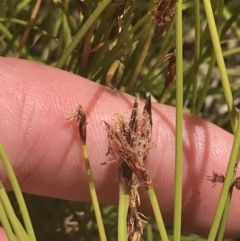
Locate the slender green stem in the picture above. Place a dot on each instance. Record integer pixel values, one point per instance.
(94, 195)
(6, 225)
(203, 93)
(207, 80)
(157, 214)
(17, 227)
(127, 31)
(226, 186)
(24, 23)
(220, 61)
(141, 59)
(8, 35)
(166, 47)
(122, 214)
(179, 124)
(227, 53)
(231, 22)
(223, 223)
(116, 53)
(149, 232)
(204, 38)
(196, 53)
(93, 17)
(66, 30)
(63, 5)
(18, 193)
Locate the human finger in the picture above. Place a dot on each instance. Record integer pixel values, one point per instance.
(46, 155)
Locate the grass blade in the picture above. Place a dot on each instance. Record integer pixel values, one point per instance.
(18, 193)
(68, 51)
(226, 186)
(179, 124)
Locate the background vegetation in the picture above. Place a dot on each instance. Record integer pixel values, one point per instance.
(131, 46)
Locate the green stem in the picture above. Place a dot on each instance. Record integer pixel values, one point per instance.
(93, 17)
(17, 227)
(204, 38)
(203, 93)
(122, 214)
(149, 232)
(179, 124)
(207, 80)
(157, 214)
(18, 193)
(6, 225)
(141, 59)
(227, 53)
(196, 54)
(8, 35)
(223, 223)
(220, 61)
(226, 186)
(94, 195)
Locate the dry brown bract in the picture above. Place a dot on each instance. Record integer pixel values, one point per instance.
(118, 14)
(129, 143)
(237, 183)
(164, 14)
(216, 177)
(80, 115)
(135, 223)
(171, 72)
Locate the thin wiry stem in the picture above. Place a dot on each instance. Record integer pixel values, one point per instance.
(179, 125)
(80, 115)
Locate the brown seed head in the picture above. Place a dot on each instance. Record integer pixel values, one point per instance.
(164, 14)
(129, 143)
(216, 177)
(80, 115)
(237, 183)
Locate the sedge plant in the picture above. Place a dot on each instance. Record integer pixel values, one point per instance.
(137, 43)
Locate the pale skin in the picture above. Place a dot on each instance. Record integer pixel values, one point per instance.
(45, 153)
